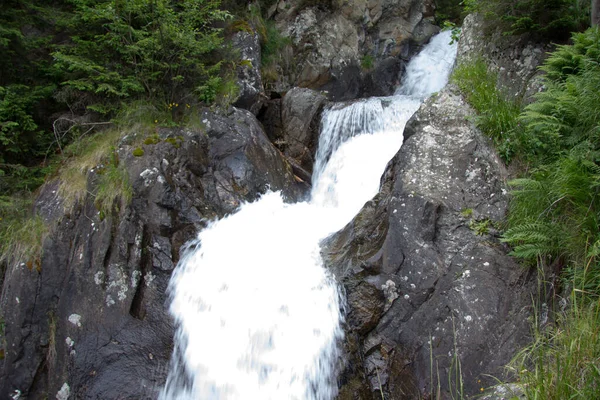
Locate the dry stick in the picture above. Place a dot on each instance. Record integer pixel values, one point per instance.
(58, 137)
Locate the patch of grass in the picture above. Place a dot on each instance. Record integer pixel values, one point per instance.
(563, 362)
(174, 141)
(272, 44)
(138, 152)
(21, 234)
(496, 116)
(113, 184)
(84, 155)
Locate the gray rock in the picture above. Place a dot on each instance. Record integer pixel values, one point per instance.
(425, 275)
(251, 94)
(385, 78)
(515, 58)
(301, 115)
(94, 316)
(330, 40)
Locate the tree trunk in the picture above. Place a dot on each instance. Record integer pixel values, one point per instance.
(595, 12)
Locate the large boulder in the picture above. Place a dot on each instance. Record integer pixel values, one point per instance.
(429, 286)
(91, 321)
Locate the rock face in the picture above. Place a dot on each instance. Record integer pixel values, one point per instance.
(426, 277)
(331, 41)
(91, 322)
(301, 115)
(293, 123)
(514, 58)
(249, 81)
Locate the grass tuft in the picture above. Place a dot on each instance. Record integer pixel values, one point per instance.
(563, 362)
(84, 155)
(497, 117)
(21, 235)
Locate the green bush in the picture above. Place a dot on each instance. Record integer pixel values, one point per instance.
(156, 50)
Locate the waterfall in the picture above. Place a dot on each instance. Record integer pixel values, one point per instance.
(257, 314)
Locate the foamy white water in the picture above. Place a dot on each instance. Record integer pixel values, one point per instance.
(258, 315)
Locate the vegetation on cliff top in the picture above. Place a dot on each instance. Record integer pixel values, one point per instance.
(68, 66)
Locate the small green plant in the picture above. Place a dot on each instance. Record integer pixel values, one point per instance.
(480, 227)
(367, 62)
(138, 152)
(451, 26)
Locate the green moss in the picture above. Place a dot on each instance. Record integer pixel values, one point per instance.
(467, 212)
(175, 142)
(154, 139)
(246, 63)
(138, 152)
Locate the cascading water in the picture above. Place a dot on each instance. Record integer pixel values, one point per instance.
(258, 315)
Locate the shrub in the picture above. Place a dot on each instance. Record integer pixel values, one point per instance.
(555, 210)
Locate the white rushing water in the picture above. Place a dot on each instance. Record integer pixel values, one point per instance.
(258, 315)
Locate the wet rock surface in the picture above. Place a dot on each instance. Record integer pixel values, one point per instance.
(426, 277)
(92, 321)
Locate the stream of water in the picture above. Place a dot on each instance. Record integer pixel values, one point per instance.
(257, 314)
